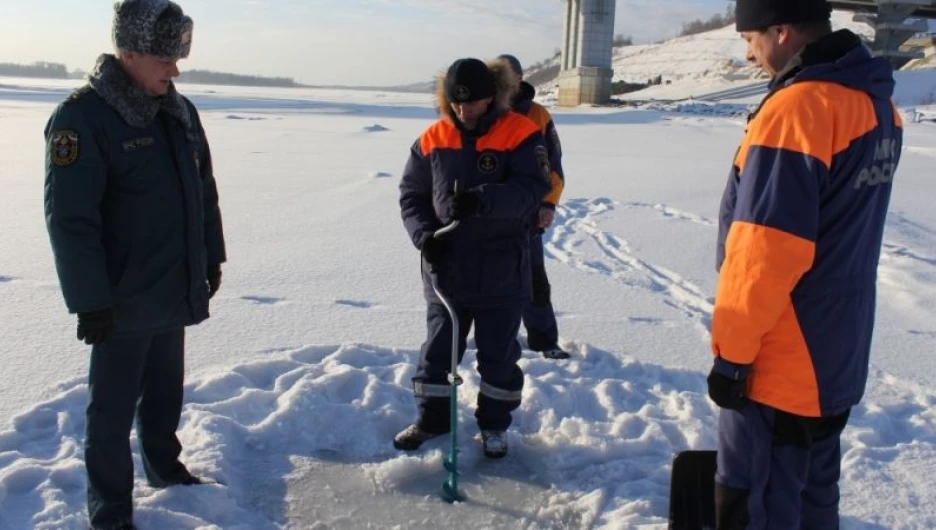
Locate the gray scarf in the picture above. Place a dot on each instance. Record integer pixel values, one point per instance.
(133, 104)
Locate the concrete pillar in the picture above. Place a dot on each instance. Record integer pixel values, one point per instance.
(588, 39)
(566, 35)
(576, 30)
(892, 30)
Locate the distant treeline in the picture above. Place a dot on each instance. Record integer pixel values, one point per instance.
(207, 77)
(37, 69)
(623, 87)
(717, 21)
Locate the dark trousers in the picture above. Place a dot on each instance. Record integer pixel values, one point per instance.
(539, 319)
(777, 470)
(495, 332)
(138, 377)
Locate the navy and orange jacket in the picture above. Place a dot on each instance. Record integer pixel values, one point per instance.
(504, 161)
(801, 227)
(524, 104)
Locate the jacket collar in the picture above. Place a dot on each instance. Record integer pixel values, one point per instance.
(135, 106)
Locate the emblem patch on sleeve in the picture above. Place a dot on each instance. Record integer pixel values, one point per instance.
(63, 147)
(557, 145)
(542, 158)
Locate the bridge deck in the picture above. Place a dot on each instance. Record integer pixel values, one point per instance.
(922, 11)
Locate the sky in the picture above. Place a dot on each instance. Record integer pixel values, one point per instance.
(348, 42)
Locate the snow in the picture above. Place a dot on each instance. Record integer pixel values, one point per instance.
(298, 382)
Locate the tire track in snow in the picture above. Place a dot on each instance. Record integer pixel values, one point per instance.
(674, 213)
(907, 271)
(900, 251)
(576, 225)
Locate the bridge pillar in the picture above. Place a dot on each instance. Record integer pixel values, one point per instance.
(892, 30)
(587, 44)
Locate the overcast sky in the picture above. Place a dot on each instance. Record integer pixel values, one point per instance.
(359, 42)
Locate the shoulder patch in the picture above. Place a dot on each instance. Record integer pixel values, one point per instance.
(542, 158)
(63, 147)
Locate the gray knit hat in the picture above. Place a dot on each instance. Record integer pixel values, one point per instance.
(152, 27)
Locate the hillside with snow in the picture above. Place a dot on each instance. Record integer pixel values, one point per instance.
(694, 66)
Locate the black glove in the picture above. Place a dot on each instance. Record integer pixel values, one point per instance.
(434, 251)
(465, 204)
(727, 384)
(214, 279)
(96, 327)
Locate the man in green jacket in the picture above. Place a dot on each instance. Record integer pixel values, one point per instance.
(132, 213)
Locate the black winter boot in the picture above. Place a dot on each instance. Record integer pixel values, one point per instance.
(412, 437)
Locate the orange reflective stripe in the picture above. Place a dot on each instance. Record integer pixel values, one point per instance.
(441, 135)
(761, 267)
(510, 131)
(784, 376)
(557, 186)
(816, 118)
(540, 116)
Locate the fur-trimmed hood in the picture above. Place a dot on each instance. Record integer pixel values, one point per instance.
(506, 80)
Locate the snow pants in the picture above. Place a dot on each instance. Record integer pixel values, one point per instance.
(495, 331)
(142, 378)
(777, 471)
(539, 319)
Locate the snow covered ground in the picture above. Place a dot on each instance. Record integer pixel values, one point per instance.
(299, 380)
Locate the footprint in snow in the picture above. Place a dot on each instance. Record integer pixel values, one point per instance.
(263, 300)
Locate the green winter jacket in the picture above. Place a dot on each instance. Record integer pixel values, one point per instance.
(131, 204)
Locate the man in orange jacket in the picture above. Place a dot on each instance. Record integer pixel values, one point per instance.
(539, 318)
(800, 232)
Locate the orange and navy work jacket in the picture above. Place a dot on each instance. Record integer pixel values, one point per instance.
(801, 227)
(525, 105)
(504, 162)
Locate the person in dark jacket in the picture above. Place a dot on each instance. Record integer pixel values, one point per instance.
(132, 213)
(539, 318)
(801, 226)
(499, 163)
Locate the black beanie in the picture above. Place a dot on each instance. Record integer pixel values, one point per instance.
(469, 80)
(753, 15)
(513, 62)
